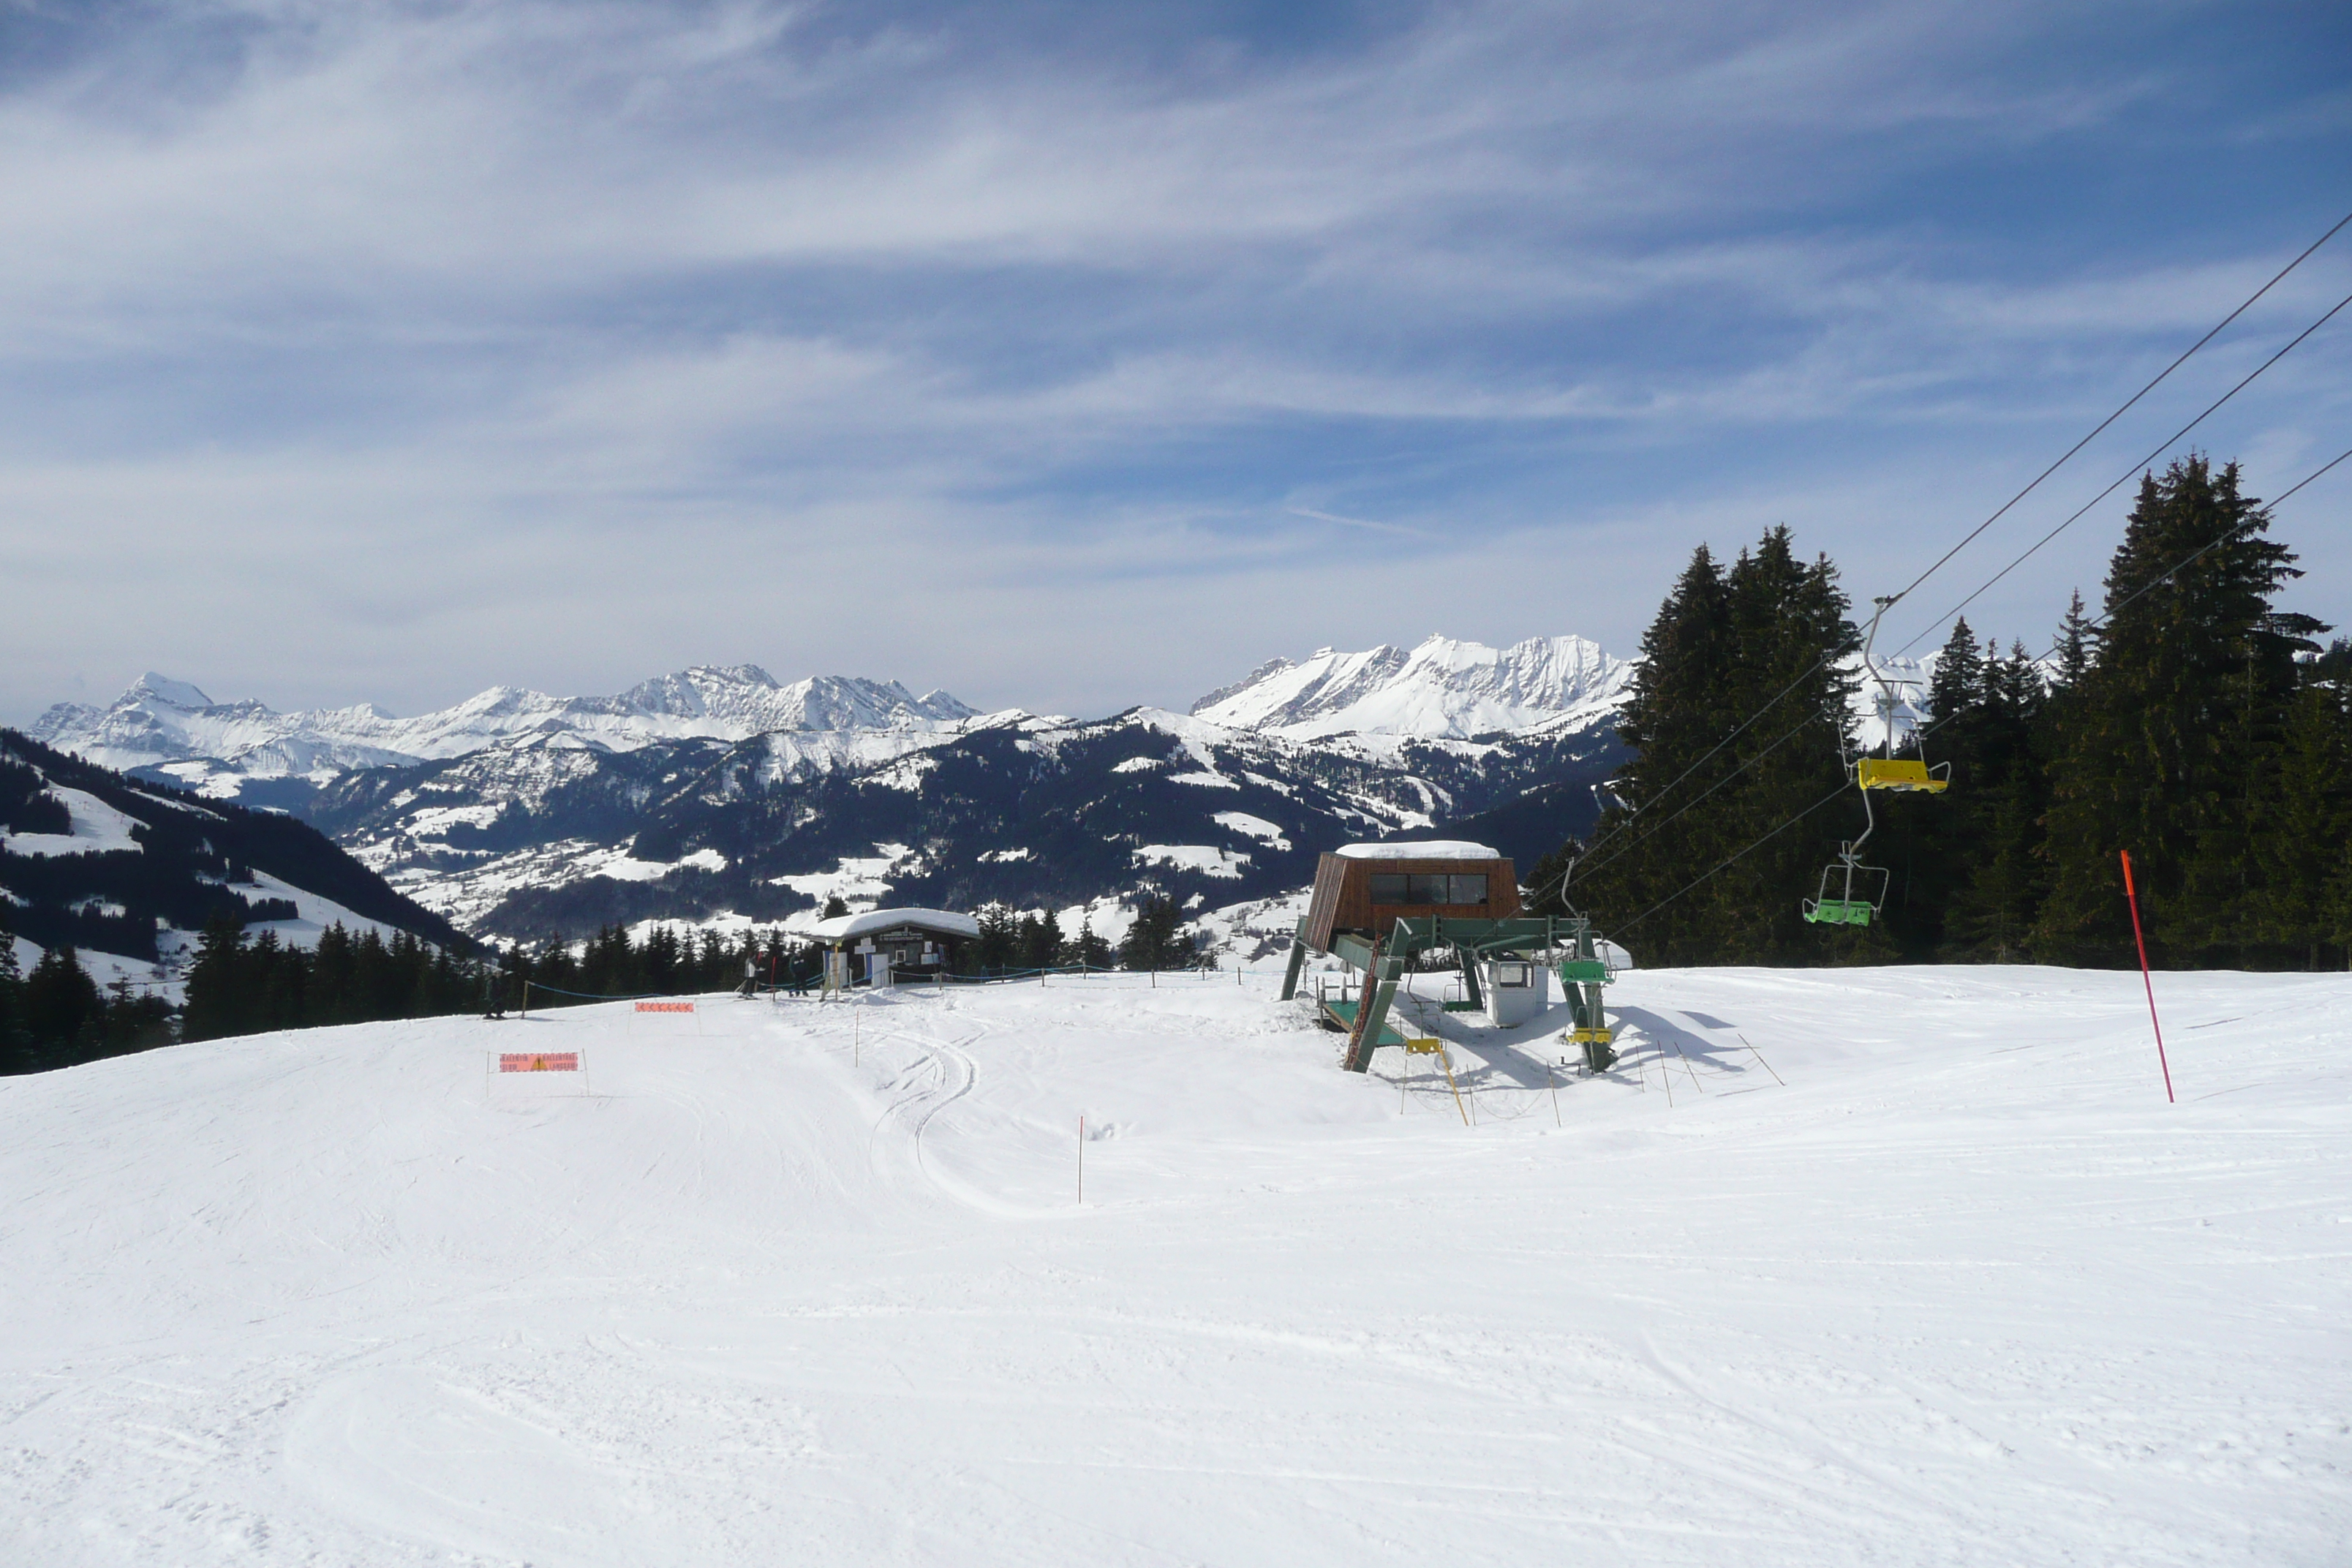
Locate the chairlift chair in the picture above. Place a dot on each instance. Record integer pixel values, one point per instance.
(1901, 775)
(1853, 894)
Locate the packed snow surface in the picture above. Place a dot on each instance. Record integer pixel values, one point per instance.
(1898, 1266)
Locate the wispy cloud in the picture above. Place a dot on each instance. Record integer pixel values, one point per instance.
(470, 343)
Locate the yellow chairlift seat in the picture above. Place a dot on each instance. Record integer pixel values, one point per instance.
(1899, 774)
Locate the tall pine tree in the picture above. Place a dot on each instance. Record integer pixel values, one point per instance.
(2189, 695)
(1767, 638)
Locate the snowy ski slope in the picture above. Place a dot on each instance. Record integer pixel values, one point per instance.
(807, 1284)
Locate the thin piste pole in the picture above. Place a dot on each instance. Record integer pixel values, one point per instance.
(2132, 894)
(1768, 1066)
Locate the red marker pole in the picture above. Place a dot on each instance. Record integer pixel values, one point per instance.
(2132, 894)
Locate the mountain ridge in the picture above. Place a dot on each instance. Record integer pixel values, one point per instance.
(134, 869)
(1443, 687)
(165, 724)
(718, 792)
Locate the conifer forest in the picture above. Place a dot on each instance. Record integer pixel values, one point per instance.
(2189, 721)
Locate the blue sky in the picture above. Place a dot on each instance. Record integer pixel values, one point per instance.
(1070, 356)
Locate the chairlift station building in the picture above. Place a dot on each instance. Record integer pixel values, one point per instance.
(1377, 906)
(889, 947)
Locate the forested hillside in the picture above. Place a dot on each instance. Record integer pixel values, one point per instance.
(2192, 722)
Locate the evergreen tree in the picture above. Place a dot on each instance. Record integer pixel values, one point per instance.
(835, 907)
(1041, 941)
(1989, 885)
(61, 1002)
(1673, 716)
(1957, 685)
(1157, 939)
(2189, 696)
(999, 947)
(16, 1055)
(219, 999)
(2299, 820)
(2075, 636)
(1766, 638)
(1089, 949)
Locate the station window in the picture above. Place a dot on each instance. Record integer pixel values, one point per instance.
(1510, 975)
(1427, 888)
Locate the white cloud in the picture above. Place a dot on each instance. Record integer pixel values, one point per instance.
(562, 344)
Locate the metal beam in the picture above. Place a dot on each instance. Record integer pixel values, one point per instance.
(1372, 1011)
(1298, 960)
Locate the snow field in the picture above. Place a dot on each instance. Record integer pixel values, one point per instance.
(807, 1284)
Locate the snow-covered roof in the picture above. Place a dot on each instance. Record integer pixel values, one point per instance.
(841, 928)
(1424, 849)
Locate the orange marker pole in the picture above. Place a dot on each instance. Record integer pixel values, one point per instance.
(2131, 893)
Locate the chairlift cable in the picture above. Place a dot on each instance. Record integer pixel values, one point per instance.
(1786, 736)
(2183, 358)
(2134, 397)
(1843, 786)
(2101, 620)
(1930, 628)
(2105, 615)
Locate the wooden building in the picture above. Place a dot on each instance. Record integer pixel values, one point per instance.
(888, 947)
(1364, 888)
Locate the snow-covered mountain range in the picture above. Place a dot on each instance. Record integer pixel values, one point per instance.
(160, 721)
(719, 792)
(1441, 690)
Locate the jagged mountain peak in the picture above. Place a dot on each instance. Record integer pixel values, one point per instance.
(1443, 688)
(163, 722)
(171, 693)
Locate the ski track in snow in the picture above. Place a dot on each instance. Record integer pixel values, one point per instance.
(806, 1283)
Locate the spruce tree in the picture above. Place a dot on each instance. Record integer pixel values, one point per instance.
(1994, 879)
(999, 947)
(61, 1001)
(2299, 819)
(1041, 941)
(1768, 638)
(219, 999)
(1673, 713)
(2187, 699)
(1156, 941)
(2075, 636)
(16, 1038)
(1091, 950)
